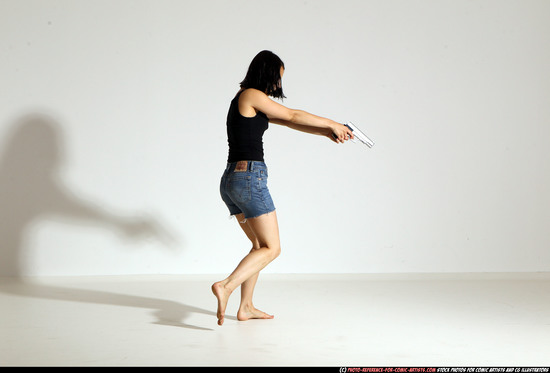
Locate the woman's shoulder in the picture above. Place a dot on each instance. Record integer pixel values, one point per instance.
(246, 92)
(246, 100)
(251, 92)
(251, 97)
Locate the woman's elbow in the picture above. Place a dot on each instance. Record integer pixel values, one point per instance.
(292, 115)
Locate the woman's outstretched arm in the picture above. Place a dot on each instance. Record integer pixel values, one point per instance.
(296, 119)
(305, 128)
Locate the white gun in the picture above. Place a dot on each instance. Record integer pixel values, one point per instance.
(359, 135)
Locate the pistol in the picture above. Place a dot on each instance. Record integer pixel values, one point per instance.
(357, 134)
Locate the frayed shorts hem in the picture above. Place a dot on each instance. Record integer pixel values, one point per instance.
(234, 216)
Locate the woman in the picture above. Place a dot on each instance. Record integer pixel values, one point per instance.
(244, 183)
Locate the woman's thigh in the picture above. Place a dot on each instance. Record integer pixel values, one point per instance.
(266, 230)
(243, 223)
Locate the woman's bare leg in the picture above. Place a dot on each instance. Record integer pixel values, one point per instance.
(266, 231)
(246, 309)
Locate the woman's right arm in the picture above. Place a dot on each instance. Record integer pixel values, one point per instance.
(296, 119)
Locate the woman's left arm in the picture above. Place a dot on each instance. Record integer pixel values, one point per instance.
(302, 127)
(296, 119)
(305, 128)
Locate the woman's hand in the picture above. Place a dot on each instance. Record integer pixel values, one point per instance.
(340, 133)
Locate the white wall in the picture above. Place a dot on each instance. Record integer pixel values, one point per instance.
(112, 124)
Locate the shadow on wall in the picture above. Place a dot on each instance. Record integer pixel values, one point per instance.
(31, 189)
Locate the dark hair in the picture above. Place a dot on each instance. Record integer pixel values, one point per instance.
(264, 74)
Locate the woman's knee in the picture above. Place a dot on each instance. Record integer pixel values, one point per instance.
(275, 251)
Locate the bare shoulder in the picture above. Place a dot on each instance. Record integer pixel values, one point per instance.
(248, 101)
(258, 101)
(252, 94)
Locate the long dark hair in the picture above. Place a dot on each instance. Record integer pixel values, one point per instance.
(264, 74)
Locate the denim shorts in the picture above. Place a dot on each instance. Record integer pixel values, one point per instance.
(244, 189)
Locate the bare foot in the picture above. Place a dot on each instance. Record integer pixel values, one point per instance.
(222, 295)
(250, 312)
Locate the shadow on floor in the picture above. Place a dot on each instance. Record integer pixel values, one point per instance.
(166, 312)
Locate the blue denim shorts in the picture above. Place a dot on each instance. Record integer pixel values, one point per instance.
(243, 188)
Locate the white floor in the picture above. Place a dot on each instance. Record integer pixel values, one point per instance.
(335, 320)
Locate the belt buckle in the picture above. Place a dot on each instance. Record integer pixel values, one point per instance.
(242, 166)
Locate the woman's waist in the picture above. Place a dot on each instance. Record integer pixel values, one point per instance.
(245, 166)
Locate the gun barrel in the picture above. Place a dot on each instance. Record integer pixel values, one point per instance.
(360, 135)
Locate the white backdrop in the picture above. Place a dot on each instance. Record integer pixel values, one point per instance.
(112, 135)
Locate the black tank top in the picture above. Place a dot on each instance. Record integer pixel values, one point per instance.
(244, 134)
